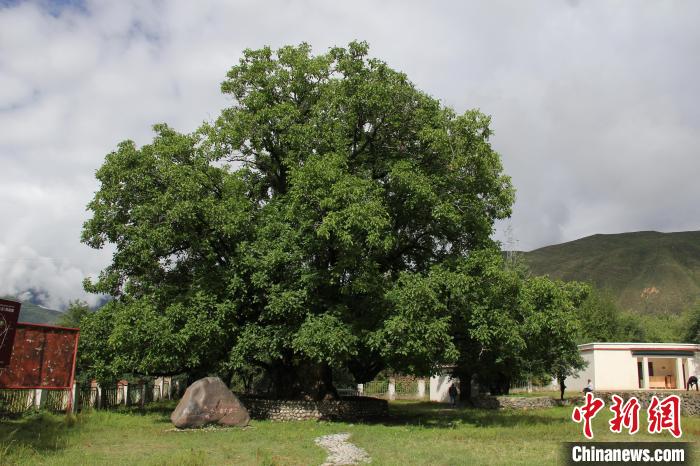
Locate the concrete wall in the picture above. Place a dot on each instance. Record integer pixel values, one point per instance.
(439, 385)
(693, 366)
(615, 370)
(580, 380)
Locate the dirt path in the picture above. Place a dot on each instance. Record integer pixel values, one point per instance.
(340, 451)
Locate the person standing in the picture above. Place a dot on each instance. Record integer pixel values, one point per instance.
(452, 391)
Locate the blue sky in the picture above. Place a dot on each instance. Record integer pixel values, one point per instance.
(594, 104)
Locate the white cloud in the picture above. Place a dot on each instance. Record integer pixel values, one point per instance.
(593, 104)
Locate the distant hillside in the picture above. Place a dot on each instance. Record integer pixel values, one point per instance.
(36, 314)
(646, 271)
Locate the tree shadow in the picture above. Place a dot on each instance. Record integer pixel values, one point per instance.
(427, 414)
(161, 408)
(39, 432)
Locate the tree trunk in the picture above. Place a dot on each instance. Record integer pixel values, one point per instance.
(505, 385)
(465, 385)
(562, 387)
(226, 377)
(327, 390)
(285, 384)
(195, 375)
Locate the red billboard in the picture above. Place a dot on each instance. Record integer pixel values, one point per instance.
(43, 357)
(9, 312)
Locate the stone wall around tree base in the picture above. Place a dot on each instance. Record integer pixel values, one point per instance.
(345, 409)
(520, 402)
(690, 400)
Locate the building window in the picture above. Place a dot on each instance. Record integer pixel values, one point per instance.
(640, 374)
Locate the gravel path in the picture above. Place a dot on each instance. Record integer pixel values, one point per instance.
(340, 451)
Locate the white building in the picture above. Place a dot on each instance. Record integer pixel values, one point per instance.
(635, 366)
(439, 385)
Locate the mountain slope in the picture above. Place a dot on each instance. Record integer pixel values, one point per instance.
(646, 271)
(35, 314)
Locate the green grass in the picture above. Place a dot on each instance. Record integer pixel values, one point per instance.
(626, 264)
(415, 433)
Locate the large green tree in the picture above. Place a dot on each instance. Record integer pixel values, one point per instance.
(288, 233)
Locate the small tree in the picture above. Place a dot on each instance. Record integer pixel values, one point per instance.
(74, 314)
(553, 327)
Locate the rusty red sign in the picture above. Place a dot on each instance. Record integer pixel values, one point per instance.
(9, 312)
(43, 356)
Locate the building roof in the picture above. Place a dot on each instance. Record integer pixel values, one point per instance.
(610, 346)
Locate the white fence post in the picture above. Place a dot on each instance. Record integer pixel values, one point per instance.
(76, 396)
(421, 388)
(157, 383)
(39, 398)
(98, 402)
(392, 389)
(360, 388)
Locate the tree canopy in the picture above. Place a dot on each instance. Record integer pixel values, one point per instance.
(332, 216)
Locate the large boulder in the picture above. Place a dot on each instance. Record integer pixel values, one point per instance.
(206, 401)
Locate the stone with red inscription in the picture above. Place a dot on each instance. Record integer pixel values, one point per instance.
(207, 401)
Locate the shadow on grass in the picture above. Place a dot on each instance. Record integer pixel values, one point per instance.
(437, 415)
(38, 432)
(157, 407)
(161, 408)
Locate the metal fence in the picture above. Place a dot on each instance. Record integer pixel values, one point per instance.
(348, 391)
(528, 385)
(406, 388)
(87, 397)
(110, 397)
(134, 394)
(376, 388)
(16, 401)
(400, 387)
(55, 400)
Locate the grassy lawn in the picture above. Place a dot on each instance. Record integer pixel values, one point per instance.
(416, 433)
